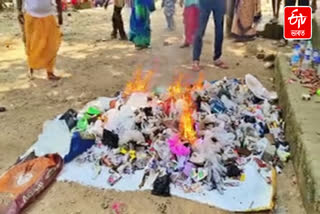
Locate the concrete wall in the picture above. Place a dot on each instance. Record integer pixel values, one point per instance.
(303, 133)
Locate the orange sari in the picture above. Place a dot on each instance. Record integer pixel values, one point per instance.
(43, 38)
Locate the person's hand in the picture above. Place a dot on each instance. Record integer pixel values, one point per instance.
(21, 18)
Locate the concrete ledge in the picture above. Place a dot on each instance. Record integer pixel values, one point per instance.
(303, 132)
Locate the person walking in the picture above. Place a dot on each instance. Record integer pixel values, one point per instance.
(246, 15)
(191, 14)
(140, 31)
(117, 21)
(41, 34)
(218, 8)
(169, 11)
(275, 9)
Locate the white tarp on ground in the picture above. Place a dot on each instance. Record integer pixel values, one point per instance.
(252, 194)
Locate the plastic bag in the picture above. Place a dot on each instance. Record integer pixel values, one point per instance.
(78, 146)
(55, 138)
(110, 139)
(161, 186)
(258, 90)
(23, 182)
(70, 117)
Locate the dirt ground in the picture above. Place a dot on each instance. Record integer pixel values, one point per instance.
(93, 66)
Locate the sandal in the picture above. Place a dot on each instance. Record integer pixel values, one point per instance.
(220, 64)
(196, 66)
(53, 77)
(184, 45)
(141, 47)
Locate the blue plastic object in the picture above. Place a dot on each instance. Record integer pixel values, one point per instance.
(217, 106)
(78, 146)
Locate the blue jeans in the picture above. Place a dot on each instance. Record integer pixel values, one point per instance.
(218, 8)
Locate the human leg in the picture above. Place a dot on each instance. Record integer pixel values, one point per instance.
(304, 2)
(219, 23)
(274, 3)
(198, 40)
(290, 2)
(278, 8)
(114, 32)
(314, 6)
(120, 26)
(169, 21)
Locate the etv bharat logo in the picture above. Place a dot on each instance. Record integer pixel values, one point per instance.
(297, 19)
(297, 23)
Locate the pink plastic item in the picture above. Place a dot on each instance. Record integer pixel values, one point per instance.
(177, 147)
(117, 207)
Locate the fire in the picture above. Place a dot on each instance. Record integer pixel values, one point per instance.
(176, 90)
(186, 128)
(199, 83)
(139, 83)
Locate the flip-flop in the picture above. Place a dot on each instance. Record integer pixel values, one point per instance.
(220, 64)
(53, 77)
(196, 66)
(185, 45)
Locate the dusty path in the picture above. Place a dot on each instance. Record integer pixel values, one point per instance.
(94, 67)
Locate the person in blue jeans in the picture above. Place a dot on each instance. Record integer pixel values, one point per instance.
(218, 8)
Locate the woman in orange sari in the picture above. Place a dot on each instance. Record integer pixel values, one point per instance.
(247, 14)
(42, 35)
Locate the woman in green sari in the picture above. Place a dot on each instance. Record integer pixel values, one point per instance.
(140, 31)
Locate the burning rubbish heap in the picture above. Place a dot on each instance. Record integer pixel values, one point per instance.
(194, 136)
(223, 138)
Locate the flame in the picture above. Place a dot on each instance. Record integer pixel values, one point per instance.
(176, 90)
(199, 83)
(138, 83)
(186, 125)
